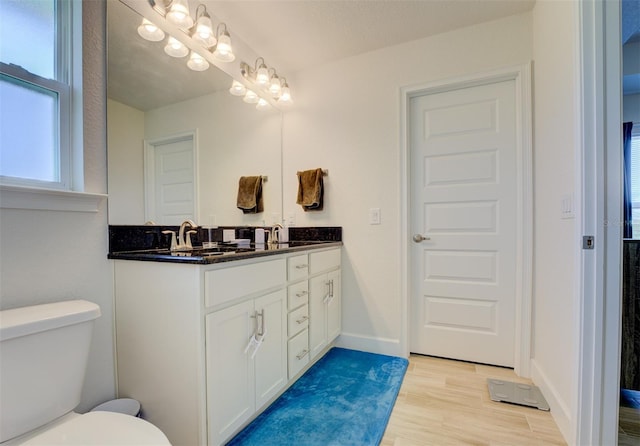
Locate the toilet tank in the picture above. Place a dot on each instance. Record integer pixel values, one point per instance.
(43, 357)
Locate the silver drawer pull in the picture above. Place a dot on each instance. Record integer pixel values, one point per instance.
(302, 319)
(302, 266)
(302, 354)
(302, 293)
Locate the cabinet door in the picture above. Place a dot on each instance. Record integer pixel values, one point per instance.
(334, 306)
(271, 357)
(318, 293)
(230, 372)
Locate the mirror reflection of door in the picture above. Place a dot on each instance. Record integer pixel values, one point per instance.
(170, 179)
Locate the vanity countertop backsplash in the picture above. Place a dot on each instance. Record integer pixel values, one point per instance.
(149, 243)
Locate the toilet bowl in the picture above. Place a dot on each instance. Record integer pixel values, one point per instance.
(43, 357)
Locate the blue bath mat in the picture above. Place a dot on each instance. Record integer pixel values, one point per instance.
(345, 399)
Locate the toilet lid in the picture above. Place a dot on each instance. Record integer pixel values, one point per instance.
(101, 428)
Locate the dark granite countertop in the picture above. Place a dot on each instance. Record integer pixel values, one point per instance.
(224, 252)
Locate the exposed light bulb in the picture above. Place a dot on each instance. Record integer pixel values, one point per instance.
(179, 14)
(250, 97)
(237, 89)
(203, 33)
(223, 50)
(150, 31)
(175, 48)
(262, 105)
(197, 62)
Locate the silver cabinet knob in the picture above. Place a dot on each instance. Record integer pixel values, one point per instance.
(420, 238)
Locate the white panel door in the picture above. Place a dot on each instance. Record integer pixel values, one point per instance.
(170, 182)
(463, 201)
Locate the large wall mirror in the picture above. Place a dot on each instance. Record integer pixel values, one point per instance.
(156, 102)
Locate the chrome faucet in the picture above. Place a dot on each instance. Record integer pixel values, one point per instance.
(184, 240)
(274, 234)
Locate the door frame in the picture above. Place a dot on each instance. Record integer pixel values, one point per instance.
(600, 281)
(522, 75)
(149, 172)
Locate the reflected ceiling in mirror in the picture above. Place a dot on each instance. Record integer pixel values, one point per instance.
(141, 75)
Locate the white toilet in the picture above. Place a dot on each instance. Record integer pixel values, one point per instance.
(43, 357)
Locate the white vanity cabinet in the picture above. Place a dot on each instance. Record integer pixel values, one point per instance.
(182, 332)
(325, 300)
(298, 315)
(241, 376)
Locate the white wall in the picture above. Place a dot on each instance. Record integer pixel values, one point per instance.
(49, 256)
(347, 119)
(234, 140)
(125, 136)
(556, 169)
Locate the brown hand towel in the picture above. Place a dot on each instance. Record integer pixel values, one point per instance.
(250, 195)
(310, 190)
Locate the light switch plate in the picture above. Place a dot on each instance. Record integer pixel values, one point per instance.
(567, 210)
(374, 216)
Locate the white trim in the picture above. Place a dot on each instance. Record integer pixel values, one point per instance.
(383, 346)
(149, 174)
(15, 197)
(561, 413)
(600, 281)
(522, 76)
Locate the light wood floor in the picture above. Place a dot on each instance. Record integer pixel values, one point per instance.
(629, 427)
(443, 402)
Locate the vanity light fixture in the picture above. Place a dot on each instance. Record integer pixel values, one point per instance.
(223, 51)
(150, 32)
(197, 62)
(178, 14)
(267, 80)
(200, 31)
(237, 89)
(251, 97)
(274, 85)
(203, 29)
(285, 94)
(263, 105)
(175, 48)
(262, 72)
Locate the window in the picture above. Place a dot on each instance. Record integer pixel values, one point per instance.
(36, 80)
(635, 179)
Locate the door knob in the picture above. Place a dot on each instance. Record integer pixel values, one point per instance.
(420, 238)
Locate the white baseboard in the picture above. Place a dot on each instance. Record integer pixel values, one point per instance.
(370, 344)
(559, 408)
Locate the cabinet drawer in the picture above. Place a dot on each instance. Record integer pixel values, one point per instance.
(298, 320)
(298, 352)
(298, 267)
(225, 284)
(298, 294)
(324, 260)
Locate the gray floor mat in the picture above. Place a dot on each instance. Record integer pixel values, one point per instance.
(516, 393)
